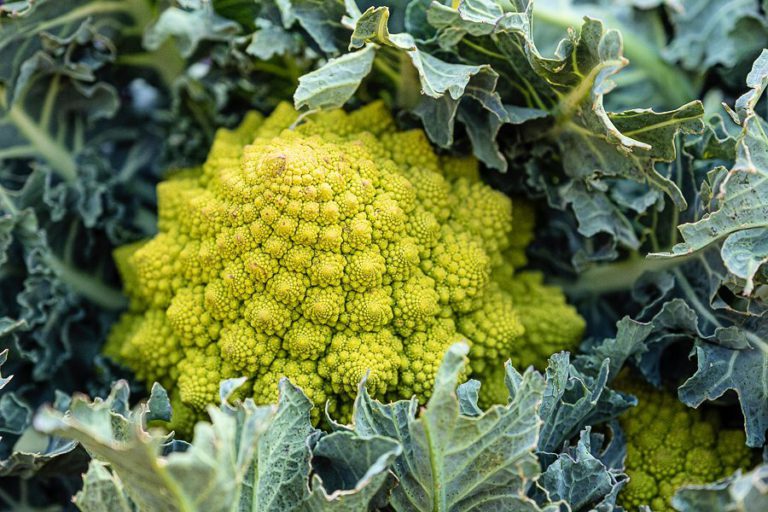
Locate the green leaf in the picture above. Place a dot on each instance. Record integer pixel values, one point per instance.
(468, 394)
(437, 77)
(747, 491)
(738, 367)
(596, 214)
(710, 32)
(649, 80)
(3, 359)
(102, 491)
(454, 462)
(322, 21)
(271, 40)
(205, 477)
(247, 458)
(757, 81)
(741, 205)
(335, 82)
(728, 345)
(573, 400)
(189, 28)
(580, 479)
(158, 405)
(281, 467)
(349, 471)
(75, 155)
(744, 252)
(643, 343)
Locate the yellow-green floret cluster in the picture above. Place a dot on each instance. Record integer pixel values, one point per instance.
(326, 251)
(670, 445)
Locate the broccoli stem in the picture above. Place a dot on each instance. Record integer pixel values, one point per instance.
(618, 276)
(86, 285)
(57, 156)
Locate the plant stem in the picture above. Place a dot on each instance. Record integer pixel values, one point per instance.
(57, 156)
(86, 285)
(618, 276)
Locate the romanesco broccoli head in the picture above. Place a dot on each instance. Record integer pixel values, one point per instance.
(670, 445)
(327, 252)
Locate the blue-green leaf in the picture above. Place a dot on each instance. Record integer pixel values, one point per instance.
(573, 400)
(748, 491)
(580, 479)
(189, 28)
(335, 82)
(454, 462)
(711, 32)
(350, 471)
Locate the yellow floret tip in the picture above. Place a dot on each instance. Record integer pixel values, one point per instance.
(670, 445)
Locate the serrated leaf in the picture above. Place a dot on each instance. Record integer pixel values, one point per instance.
(591, 141)
(573, 400)
(248, 457)
(454, 462)
(437, 77)
(102, 491)
(742, 369)
(757, 81)
(649, 79)
(741, 204)
(580, 479)
(349, 471)
(335, 82)
(728, 345)
(643, 343)
(596, 214)
(207, 476)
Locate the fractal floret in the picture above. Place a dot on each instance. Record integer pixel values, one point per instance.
(326, 252)
(670, 445)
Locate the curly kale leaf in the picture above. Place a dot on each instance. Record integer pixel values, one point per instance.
(239, 56)
(78, 148)
(579, 477)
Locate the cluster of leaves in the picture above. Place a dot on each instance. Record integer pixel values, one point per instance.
(99, 97)
(448, 456)
(477, 63)
(707, 293)
(77, 142)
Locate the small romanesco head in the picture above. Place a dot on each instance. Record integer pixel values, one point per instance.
(670, 445)
(324, 253)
